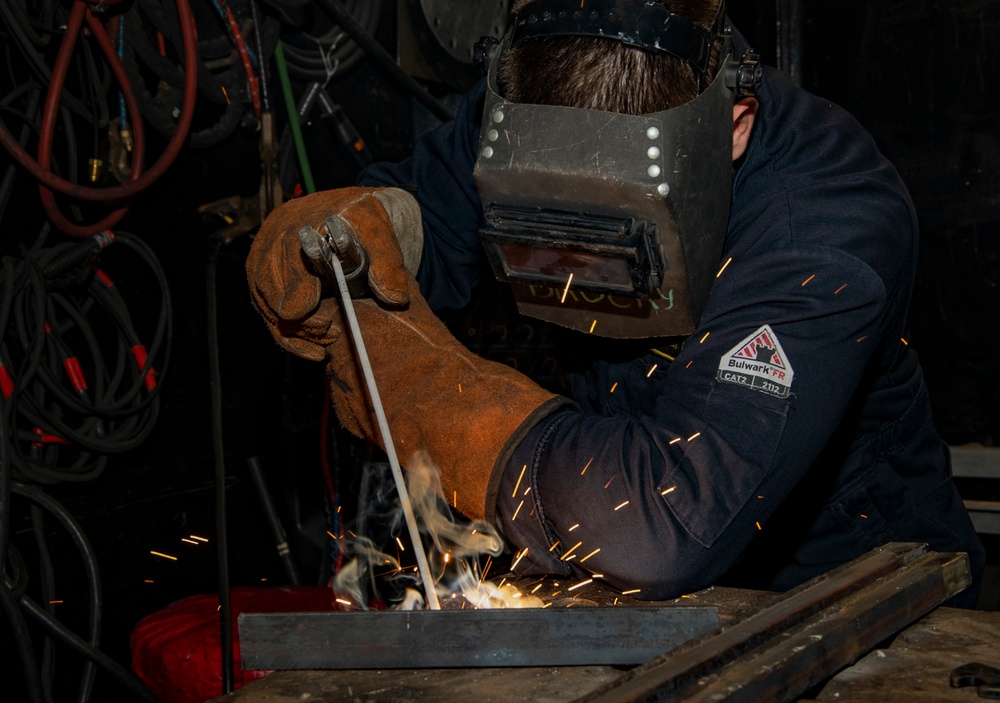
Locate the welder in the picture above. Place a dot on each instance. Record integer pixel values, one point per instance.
(732, 260)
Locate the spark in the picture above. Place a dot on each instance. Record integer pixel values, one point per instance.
(807, 280)
(571, 558)
(587, 466)
(593, 326)
(566, 555)
(518, 484)
(610, 480)
(459, 387)
(352, 534)
(840, 289)
(527, 490)
(332, 536)
(339, 507)
(400, 543)
(554, 545)
(519, 558)
(621, 506)
(614, 387)
(634, 590)
(728, 261)
(574, 527)
(652, 370)
(758, 525)
(517, 511)
(694, 436)
(582, 583)
(148, 581)
(200, 539)
(454, 499)
(486, 569)
(502, 582)
(165, 556)
(547, 604)
(189, 541)
(263, 580)
(675, 441)
(447, 557)
(864, 516)
(663, 355)
(598, 576)
(761, 497)
(905, 343)
(704, 338)
(225, 94)
(344, 602)
(590, 555)
(861, 339)
(56, 602)
(536, 588)
(616, 601)
(669, 490)
(566, 291)
(689, 364)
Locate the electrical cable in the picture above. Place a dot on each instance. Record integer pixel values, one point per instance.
(140, 181)
(221, 538)
(332, 54)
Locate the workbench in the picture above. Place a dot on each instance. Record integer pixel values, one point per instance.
(913, 666)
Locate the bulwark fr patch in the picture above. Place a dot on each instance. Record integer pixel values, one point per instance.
(758, 362)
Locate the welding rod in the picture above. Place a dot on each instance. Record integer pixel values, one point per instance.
(383, 425)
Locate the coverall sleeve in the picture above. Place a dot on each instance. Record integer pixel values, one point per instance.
(453, 260)
(664, 488)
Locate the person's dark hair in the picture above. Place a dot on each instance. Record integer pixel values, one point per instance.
(603, 74)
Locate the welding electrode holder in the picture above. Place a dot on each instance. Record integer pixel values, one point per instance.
(335, 239)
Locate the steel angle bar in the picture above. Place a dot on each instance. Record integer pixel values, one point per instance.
(849, 608)
(516, 637)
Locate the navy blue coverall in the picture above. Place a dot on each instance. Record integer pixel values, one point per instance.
(792, 433)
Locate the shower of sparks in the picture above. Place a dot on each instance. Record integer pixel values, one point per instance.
(622, 505)
(200, 539)
(590, 555)
(587, 466)
(161, 554)
(728, 261)
(574, 527)
(517, 511)
(517, 561)
(702, 341)
(566, 556)
(629, 593)
(675, 441)
(582, 583)
(668, 490)
(344, 602)
(593, 326)
(569, 281)
(840, 289)
(614, 387)
(905, 343)
(807, 280)
(694, 436)
(861, 339)
(518, 484)
(400, 543)
(652, 370)
(758, 525)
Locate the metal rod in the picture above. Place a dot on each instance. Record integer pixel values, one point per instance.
(383, 424)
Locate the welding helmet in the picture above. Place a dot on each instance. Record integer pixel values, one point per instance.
(603, 222)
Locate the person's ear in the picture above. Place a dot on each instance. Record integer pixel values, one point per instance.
(743, 115)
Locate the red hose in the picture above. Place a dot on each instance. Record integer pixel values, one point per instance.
(40, 169)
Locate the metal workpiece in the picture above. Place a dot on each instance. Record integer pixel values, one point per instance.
(511, 637)
(806, 636)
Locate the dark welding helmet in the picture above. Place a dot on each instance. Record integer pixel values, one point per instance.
(602, 222)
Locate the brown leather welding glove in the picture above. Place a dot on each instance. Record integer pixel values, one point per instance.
(288, 294)
(466, 412)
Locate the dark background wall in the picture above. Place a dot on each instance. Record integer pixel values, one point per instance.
(917, 74)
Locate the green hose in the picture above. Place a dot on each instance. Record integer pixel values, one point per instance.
(293, 119)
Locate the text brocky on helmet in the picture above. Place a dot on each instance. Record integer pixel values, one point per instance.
(634, 208)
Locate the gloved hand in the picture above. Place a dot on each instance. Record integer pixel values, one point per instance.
(385, 222)
(466, 412)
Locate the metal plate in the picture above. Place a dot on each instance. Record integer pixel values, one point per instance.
(468, 638)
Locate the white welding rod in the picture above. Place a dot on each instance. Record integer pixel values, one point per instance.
(404, 498)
